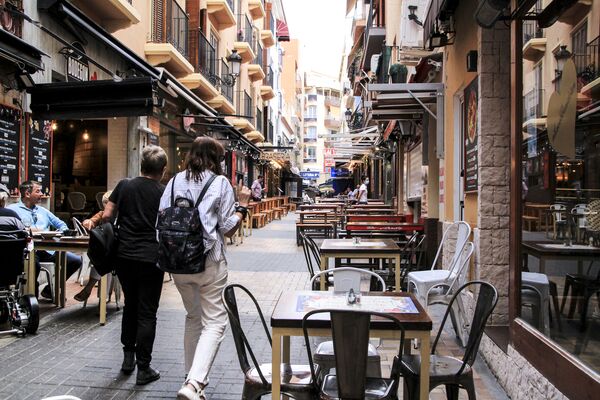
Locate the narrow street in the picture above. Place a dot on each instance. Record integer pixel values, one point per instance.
(72, 354)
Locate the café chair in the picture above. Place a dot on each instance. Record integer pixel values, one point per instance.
(99, 200)
(351, 380)
(592, 232)
(296, 380)
(536, 292)
(419, 282)
(593, 326)
(582, 288)
(346, 278)
(311, 257)
(579, 213)
(452, 372)
(559, 222)
(77, 202)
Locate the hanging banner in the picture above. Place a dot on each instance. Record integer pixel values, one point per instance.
(562, 112)
(470, 126)
(39, 153)
(10, 147)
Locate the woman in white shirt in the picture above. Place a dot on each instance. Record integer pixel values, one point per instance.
(201, 293)
(364, 190)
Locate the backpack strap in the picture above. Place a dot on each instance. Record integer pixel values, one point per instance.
(173, 190)
(204, 189)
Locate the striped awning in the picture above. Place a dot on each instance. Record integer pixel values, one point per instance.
(283, 32)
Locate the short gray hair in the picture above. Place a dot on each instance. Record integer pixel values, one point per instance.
(154, 160)
(3, 197)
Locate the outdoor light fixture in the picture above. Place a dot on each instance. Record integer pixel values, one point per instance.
(235, 62)
(348, 115)
(490, 11)
(414, 17)
(24, 80)
(437, 39)
(562, 55)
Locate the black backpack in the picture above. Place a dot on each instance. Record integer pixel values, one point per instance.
(180, 235)
(102, 248)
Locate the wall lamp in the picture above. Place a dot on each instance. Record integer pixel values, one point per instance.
(24, 80)
(235, 62)
(561, 56)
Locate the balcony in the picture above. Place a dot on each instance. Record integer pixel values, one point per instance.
(331, 101)
(588, 68)
(256, 9)
(268, 35)
(245, 111)
(245, 44)
(254, 137)
(332, 122)
(223, 101)
(259, 120)
(266, 90)
(204, 57)
(222, 12)
(112, 14)
(534, 42)
(255, 70)
(576, 12)
(308, 118)
(168, 45)
(374, 39)
(533, 103)
(309, 159)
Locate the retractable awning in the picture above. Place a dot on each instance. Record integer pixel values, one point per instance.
(354, 144)
(18, 51)
(408, 102)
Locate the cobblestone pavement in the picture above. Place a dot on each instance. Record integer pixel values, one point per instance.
(72, 354)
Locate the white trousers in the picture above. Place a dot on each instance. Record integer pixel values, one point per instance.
(206, 318)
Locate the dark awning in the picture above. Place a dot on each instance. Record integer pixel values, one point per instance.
(17, 50)
(283, 32)
(93, 99)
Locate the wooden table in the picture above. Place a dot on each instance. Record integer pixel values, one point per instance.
(544, 251)
(537, 210)
(384, 226)
(286, 321)
(376, 218)
(322, 214)
(61, 246)
(367, 248)
(333, 207)
(350, 211)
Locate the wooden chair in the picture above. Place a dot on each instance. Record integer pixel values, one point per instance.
(452, 372)
(296, 380)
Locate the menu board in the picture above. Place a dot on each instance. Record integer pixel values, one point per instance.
(39, 152)
(10, 145)
(470, 113)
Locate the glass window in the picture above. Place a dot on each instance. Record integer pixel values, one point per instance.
(560, 190)
(312, 111)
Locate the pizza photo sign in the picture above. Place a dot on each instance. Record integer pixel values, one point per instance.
(471, 100)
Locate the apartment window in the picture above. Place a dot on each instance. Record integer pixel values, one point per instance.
(312, 111)
(579, 46)
(311, 134)
(310, 152)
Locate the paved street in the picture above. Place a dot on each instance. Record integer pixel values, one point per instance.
(72, 354)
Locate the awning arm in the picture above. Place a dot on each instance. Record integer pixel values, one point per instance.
(422, 104)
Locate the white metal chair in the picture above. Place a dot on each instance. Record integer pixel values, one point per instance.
(77, 202)
(559, 223)
(346, 278)
(580, 212)
(419, 282)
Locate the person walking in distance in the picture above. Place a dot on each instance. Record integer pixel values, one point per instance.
(220, 215)
(135, 204)
(363, 191)
(257, 189)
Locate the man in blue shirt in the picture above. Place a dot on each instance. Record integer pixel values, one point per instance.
(41, 219)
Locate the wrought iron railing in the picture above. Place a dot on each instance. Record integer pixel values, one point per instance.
(531, 30)
(259, 55)
(170, 25)
(272, 23)
(226, 91)
(270, 132)
(269, 78)
(533, 102)
(259, 120)
(245, 106)
(587, 64)
(246, 31)
(230, 3)
(207, 58)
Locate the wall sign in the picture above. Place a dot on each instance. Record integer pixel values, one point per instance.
(470, 126)
(272, 155)
(310, 174)
(77, 65)
(10, 146)
(39, 153)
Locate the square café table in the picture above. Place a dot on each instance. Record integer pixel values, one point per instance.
(367, 248)
(286, 321)
(61, 245)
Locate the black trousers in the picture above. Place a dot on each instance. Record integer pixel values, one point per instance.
(142, 286)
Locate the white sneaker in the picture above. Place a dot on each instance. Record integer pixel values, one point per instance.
(185, 393)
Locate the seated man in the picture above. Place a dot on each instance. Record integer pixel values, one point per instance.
(41, 219)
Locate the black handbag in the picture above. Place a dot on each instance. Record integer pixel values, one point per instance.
(102, 248)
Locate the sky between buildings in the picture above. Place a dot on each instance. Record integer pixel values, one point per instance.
(321, 27)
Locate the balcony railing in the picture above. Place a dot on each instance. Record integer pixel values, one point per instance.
(269, 78)
(246, 31)
(206, 56)
(226, 91)
(532, 104)
(230, 3)
(587, 64)
(259, 120)
(245, 106)
(272, 23)
(259, 55)
(531, 30)
(270, 132)
(310, 159)
(331, 101)
(170, 25)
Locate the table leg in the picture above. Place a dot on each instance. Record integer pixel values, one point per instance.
(102, 286)
(63, 279)
(424, 373)
(276, 366)
(323, 268)
(397, 261)
(57, 266)
(31, 277)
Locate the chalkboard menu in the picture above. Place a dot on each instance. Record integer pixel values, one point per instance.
(39, 152)
(10, 146)
(470, 113)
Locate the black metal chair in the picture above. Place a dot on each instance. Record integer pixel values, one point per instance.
(312, 258)
(446, 370)
(296, 380)
(350, 333)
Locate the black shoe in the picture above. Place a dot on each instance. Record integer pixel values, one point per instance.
(146, 375)
(128, 362)
(47, 293)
